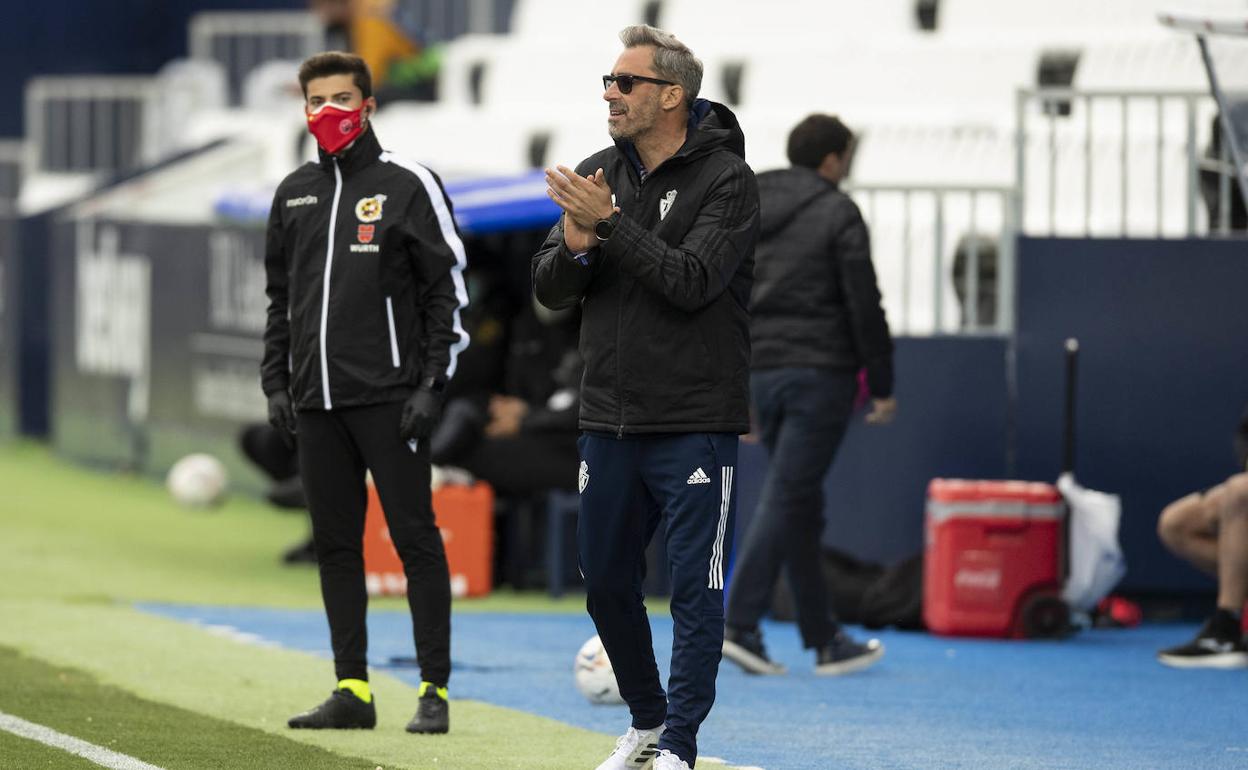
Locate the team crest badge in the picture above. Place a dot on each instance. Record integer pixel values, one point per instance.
(369, 209)
(665, 203)
(582, 478)
(364, 233)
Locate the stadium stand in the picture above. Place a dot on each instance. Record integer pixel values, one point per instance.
(943, 116)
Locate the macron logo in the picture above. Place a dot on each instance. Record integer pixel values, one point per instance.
(699, 477)
(306, 200)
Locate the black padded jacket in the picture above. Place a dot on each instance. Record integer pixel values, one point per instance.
(815, 300)
(665, 324)
(363, 265)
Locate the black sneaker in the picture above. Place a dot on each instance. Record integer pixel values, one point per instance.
(745, 648)
(1220, 644)
(843, 655)
(341, 711)
(433, 713)
(301, 553)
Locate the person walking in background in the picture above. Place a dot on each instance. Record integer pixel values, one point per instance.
(1210, 530)
(816, 320)
(656, 244)
(363, 266)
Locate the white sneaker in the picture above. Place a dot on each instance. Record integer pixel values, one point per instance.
(635, 750)
(666, 760)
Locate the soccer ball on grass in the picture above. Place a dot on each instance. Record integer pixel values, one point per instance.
(197, 481)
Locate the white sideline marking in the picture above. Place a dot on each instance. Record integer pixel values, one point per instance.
(235, 635)
(718, 761)
(89, 751)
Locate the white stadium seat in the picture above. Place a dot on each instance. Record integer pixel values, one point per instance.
(1055, 20)
(737, 25)
(922, 82)
(460, 142)
(570, 24)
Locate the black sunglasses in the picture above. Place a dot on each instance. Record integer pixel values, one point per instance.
(625, 82)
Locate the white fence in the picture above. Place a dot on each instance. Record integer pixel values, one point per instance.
(90, 123)
(12, 157)
(1115, 163)
(944, 256)
(242, 41)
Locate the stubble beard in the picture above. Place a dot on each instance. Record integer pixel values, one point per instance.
(638, 120)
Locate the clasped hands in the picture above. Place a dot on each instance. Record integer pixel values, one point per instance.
(584, 200)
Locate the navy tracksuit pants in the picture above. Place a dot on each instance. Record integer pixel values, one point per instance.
(628, 485)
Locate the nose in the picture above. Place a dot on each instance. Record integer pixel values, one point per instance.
(612, 93)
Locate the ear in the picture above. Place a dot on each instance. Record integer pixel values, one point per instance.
(370, 107)
(673, 97)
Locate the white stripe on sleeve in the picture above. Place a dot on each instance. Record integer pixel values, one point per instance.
(447, 225)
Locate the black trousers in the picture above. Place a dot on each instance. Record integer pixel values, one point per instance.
(802, 415)
(335, 448)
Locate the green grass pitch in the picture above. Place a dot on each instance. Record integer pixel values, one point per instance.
(77, 548)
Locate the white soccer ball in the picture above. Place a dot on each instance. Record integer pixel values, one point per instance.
(594, 676)
(197, 481)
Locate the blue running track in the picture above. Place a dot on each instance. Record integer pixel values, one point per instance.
(1096, 702)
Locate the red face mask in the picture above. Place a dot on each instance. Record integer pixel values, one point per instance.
(335, 127)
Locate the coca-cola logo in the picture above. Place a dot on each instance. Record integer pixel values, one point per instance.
(345, 126)
(988, 579)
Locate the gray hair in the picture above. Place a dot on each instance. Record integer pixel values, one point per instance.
(672, 59)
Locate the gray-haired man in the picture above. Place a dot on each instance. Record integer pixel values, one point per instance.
(657, 246)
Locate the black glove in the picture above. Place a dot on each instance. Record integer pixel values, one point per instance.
(282, 414)
(420, 414)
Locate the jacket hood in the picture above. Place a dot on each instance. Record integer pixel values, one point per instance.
(711, 126)
(783, 193)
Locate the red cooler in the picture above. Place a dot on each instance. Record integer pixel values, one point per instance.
(994, 559)
(465, 517)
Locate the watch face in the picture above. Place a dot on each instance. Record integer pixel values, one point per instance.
(603, 229)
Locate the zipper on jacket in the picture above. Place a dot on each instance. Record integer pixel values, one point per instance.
(329, 266)
(394, 337)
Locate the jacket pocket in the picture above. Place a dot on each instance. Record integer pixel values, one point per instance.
(394, 337)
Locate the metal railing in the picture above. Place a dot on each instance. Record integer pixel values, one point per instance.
(1118, 163)
(12, 157)
(89, 123)
(934, 246)
(241, 41)
(435, 21)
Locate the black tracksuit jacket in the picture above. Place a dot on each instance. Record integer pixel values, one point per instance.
(665, 325)
(364, 318)
(815, 300)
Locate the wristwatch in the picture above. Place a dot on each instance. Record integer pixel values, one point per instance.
(604, 227)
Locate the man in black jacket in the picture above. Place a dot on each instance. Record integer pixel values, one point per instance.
(657, 245)
(364, 265)
(816, 320)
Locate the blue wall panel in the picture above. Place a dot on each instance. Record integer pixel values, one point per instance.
(1163, 375)
(951, 422)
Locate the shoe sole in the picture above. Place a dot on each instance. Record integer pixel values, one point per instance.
(429, 732)
(329, 727)
(853, 664)
(1226, 660)
(751, 663)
